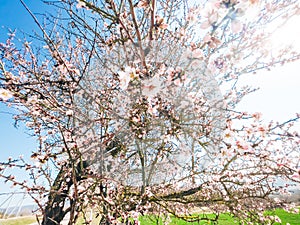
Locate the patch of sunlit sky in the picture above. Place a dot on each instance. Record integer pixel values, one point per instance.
(279, 93)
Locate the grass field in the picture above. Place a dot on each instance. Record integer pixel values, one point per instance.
(18, 221)
(225, 219)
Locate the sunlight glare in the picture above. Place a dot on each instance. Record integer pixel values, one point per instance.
(287, 34)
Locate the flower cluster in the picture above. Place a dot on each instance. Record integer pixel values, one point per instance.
(126, 105)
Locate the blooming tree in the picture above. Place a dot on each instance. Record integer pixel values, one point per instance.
(124, 99)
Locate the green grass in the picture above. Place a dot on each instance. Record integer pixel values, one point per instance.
(224, 219)
(293, 219)
(18, 221)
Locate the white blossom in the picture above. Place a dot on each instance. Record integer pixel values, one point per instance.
(152, 87)
(5, 94)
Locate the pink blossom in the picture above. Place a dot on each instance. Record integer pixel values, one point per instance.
(277, 219)
(177, 82)
(253, 1)
(197, 54)
(212, 42)
(143, 3)
(236, 26)
(296, 176)
(69, 113)
(191, 16)
(152, 86)
(257, 115)
(80, 4)
(125, 77)
(212, 17)
(5, 94)
(263, 130)
(159, 23)
(242, 145)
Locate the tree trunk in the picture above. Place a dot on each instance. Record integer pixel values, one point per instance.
(55, 210)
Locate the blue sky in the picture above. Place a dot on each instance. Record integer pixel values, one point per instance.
(277, 99)
(13, 15)
(14, 142)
